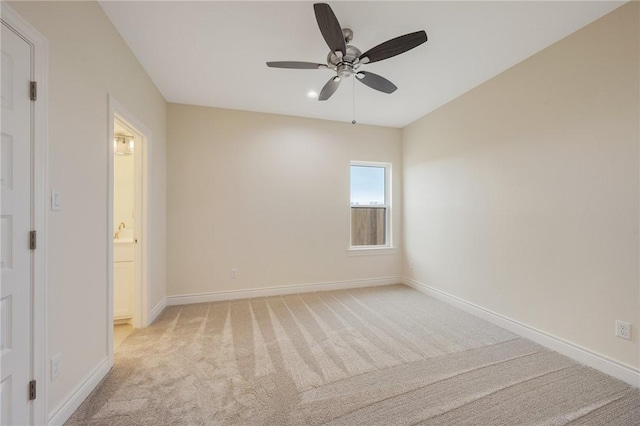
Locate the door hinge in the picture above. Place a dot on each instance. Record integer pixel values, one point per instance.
(33, 240)
(33, 91)
(32, 390)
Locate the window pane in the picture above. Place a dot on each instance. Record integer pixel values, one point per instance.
(367, 185)
(368, 226)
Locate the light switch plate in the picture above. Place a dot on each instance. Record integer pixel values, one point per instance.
(56, 367)
(56, 200)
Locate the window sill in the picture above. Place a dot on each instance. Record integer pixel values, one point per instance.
(371, 251)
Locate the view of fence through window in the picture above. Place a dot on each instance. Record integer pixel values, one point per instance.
(368, 205)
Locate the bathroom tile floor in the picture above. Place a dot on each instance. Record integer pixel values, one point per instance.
(120, 332)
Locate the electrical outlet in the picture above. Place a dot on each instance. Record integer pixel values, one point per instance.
(623, 329)
(234, 273)
(56, 367)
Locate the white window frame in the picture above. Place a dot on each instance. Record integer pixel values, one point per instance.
(388, 248)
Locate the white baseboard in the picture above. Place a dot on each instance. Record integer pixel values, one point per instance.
(79, 394)
(583, 355)
(157, 310)
(278, 291)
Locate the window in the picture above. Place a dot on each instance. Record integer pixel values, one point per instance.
(370, 205)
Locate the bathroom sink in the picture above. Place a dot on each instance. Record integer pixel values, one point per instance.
(125, 236)
(123, 240)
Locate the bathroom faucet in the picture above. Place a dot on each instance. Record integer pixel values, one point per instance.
(120, 228)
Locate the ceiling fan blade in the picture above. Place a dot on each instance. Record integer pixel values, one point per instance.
(376, 82)
(329, 88)
(296, 65)
(393, 47)
(330, 28)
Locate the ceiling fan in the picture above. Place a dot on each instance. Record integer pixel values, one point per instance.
(346, 59)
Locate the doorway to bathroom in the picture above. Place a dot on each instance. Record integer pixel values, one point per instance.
(124, 225)
(127, 225)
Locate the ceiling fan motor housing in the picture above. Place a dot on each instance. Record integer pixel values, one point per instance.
(344, 66)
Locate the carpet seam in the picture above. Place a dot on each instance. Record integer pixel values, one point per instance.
(493, 393)
(445, 379)
(600, 408)
(542, 350)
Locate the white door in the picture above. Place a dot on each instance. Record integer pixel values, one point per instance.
(15, 224)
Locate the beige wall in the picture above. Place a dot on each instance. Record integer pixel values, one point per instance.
(522, 195)
(268, 195)
(87, 61)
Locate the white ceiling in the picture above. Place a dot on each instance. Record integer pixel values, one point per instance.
(213, 53)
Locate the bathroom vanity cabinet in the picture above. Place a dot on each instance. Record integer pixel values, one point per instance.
(123, 280)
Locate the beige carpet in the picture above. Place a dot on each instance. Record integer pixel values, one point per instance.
(374, 356)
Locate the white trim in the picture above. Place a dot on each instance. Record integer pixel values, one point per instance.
(40, 110)
(371, 251)
(62, 413)
(157, 310)
(110, 231)
(186, 299)
(581, 354)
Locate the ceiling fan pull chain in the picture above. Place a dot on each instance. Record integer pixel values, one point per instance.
(353, 103)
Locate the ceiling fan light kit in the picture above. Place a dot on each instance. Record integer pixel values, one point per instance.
(346, 59)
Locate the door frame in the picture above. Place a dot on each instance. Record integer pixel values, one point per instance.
(40, 200)
(117, 111)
